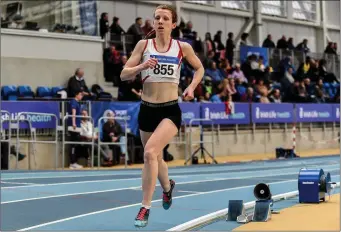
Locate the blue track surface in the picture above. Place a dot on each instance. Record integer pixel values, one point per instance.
(109, 200)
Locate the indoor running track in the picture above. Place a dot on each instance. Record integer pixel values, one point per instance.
(110, 200)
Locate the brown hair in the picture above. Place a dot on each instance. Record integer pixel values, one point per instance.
(152, 33)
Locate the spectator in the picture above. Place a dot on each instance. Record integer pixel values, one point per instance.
(115, 27)
(335, 47)
(197, 44)
(238, 73)
(291, 44)
(250, 96)
(218, 98)
(276, 96)
(136, 30)
(225, 67)
(147, 27)
(220, 48)
(130, 90)
(187, 32)
(214, 73)
(261, 65)
(327, 76)
(208, 59)
(268, 43)
(112, 132)
(74, 122)
(103, 25)
(210, 46)
(330, 49)
(303, 46)
(243, 39)
(111, 60)
(77, 83)
(263, 92)
(319, 97)
(177, 32)
(230, 46)
(282, 43)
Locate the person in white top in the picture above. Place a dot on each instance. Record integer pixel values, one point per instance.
(159, 60)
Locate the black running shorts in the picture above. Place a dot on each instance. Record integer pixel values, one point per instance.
(151, 114)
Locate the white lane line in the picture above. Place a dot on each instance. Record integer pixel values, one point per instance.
(137, 187)
(172, 172)
(206, 176)
(138, 204)
(6, 182)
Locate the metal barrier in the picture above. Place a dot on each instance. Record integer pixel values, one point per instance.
(32, 130)
(201, 142)
(78, 143)
(9, 133)
(100, 143)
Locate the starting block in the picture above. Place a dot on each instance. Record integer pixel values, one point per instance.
(262, 211)
(235, 209)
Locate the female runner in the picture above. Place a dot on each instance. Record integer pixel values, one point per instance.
(159, 62)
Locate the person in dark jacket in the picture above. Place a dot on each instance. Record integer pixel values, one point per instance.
(282, 43)
(268, 43)
(230, 46)
(77, 83)
(103, 24)
(115, 27)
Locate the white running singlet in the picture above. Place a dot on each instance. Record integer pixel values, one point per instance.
(169, 63)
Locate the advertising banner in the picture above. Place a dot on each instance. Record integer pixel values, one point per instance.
(272, 113)
(190, 111)
(217, 113)
(314, 113)
(246, 51)
(38, 121)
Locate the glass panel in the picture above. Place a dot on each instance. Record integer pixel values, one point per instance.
(304, 10)
(72, 17)
(239, 5)
(277, 8)
(204, 2)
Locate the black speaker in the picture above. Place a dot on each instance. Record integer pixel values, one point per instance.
(262, 192)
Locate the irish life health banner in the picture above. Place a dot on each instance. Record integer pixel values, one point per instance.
(272, 113)
(246, 51)
(217, 113)
(127, 110)
(190, 111)
(314, 113)
(39, 121)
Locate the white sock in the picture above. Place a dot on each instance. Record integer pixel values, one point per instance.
(145, 206)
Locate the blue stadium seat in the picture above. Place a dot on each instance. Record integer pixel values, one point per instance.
(55, 90)
(10, 92)
(44, 92)
(25, 91)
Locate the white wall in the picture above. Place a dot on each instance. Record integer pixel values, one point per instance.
(333, 12)
(33, 58)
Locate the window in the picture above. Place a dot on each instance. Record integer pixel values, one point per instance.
(72, 17)
(237, 5)
(275, 8)
(304, 10)
(202, 2)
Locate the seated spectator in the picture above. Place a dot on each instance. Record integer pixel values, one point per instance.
(303, 69)
(208, 59)
(214, 73)
(268, 43)
(276, 96)
(225, 67)
(319, 97)
(219, 97)
(261, 65)
(263, 92)
(326, 76)
(112, 132)
(249, 96)
(238, 74)
(77, 83)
